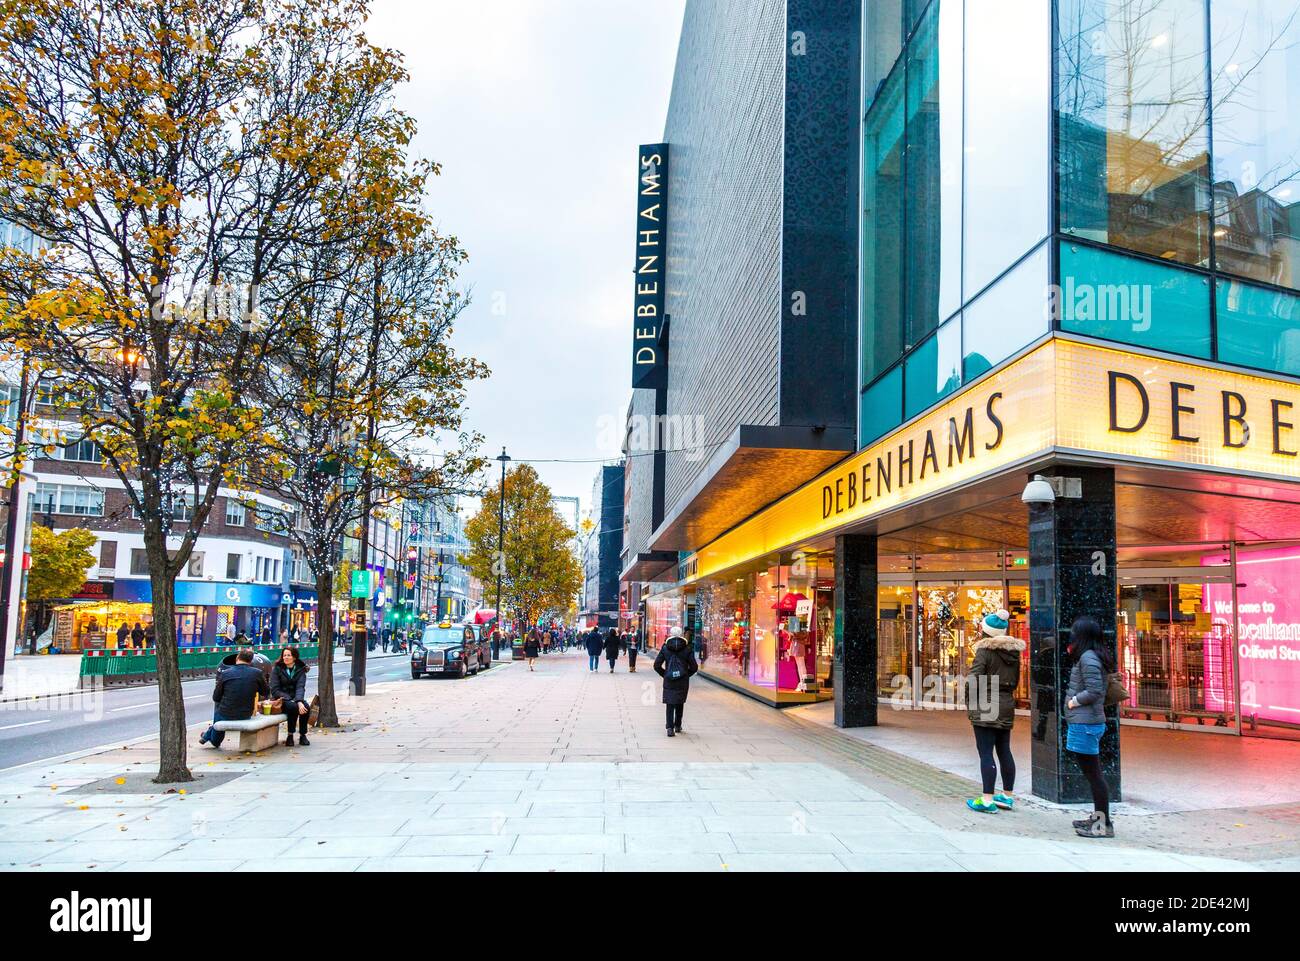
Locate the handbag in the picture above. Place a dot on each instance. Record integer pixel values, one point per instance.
(1116, 692)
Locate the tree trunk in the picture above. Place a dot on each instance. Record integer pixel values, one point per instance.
(171, 701)
(329, 713)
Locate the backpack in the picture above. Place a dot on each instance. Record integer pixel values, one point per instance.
(675, 669)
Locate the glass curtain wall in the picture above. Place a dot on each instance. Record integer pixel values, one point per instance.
(1178, 151)
(956, 164)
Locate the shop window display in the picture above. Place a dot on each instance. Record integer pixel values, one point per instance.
(772, 631)
(664, 617)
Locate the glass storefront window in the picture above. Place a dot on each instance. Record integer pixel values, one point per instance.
(882, 407)
(896, 639)
(764, 601)
(772, 632)
(1132, 125)
(664, 615)
(1007, 317)
(1258, 327)
(1122, 298)
(1008, 149)
(723, 612)
(933, 370)
(1255, 71)
(882, 231)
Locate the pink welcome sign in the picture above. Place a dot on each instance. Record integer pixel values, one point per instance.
(1268, 645)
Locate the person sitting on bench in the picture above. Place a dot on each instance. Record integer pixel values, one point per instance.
(235, 695)
(289, 684)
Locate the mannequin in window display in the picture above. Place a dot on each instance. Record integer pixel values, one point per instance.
(788, 674)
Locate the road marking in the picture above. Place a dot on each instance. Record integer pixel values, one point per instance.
(132, 707)
(10, 727)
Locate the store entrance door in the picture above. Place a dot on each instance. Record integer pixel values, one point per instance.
(1178, 658)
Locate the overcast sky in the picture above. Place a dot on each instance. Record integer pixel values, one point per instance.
(535, 109)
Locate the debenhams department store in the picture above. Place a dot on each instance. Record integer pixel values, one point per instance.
(1076, 383)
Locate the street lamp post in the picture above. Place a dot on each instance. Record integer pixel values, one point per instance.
(9, 579)
(501, 540)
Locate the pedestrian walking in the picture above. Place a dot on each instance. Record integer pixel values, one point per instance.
(612, 646)
(289, 683)
(123, 633)
(676, 665)
(267, 639)
(595, 644)
(991, 701)
(532, 647)
(496, 644)
(1085, 715)
(137, 635)
(630, 643)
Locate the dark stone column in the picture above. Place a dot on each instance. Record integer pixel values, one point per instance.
(856, 648)
(1072, 560)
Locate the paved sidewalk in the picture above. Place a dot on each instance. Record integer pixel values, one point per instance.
(560, 769)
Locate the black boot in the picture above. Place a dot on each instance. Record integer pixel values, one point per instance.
(288, 742)
(670, 732)
(302, 740)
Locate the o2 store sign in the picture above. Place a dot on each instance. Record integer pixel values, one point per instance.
(1268, 642)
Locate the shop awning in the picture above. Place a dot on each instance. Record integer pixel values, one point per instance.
(753, 468)
(650, 567)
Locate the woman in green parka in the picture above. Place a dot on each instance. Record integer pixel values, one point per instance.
(991, 699)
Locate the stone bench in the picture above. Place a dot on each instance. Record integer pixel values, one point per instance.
(259, 732)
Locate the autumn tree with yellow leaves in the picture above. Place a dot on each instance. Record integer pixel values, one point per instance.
(181, 162)
(539, 573)
(365, 408)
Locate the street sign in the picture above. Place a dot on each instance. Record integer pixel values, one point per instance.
(361, 584)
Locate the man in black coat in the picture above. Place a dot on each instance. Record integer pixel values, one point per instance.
(676, 665)
(595, 644)
(613, 645)
(235, 693)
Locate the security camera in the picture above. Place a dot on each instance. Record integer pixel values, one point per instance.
(1039, 491)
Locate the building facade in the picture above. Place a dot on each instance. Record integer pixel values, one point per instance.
(603, 550)
(237, 580)
(1077, 227)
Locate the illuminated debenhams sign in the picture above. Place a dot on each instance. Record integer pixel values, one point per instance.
(918, 459)
(1231, 423)
(648, 368)
(1065, 397)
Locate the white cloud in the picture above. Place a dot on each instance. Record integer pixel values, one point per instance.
(535, 109)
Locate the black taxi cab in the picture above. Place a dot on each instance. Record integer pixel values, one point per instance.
(454, 650)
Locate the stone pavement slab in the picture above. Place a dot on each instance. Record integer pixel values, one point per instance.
(565, 771)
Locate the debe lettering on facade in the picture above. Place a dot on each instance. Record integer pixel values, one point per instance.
(1063, 397)
(648, 368)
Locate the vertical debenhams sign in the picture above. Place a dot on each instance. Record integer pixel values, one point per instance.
(651, 264)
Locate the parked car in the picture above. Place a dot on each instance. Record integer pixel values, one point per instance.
(450, 649)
